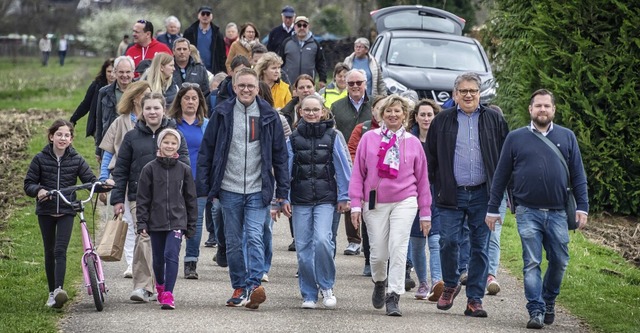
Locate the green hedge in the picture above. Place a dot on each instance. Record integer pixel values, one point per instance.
(588, 53)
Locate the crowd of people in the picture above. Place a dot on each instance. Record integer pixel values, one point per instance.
(210, 130)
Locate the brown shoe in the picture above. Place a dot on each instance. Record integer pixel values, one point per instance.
(474, 309)
(256, 297)
(445, 302)
(436, 291)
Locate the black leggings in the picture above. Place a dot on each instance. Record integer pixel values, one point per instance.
(56, 233)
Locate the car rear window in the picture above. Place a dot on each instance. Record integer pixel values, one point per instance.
(435, 53)
(409, 20)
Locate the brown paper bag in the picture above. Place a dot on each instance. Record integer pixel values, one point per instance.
(111, 244)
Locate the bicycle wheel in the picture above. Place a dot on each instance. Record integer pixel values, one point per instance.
(93, 280)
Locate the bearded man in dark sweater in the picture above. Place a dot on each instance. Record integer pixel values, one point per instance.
(540, 191)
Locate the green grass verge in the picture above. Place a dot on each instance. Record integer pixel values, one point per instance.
(23, 284)
(599, 286)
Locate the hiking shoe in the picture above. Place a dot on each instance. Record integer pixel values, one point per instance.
(51, 301)
(238, 298)
(128, 274)
(367, 270)
(474, 309)
(265, 278)
(167, 301)
(292, 246)
(391, 301)
(160, 292)
(328, 298)
(536, 321)
(493, 288)
(221, 257)
(379, 290)
(59, 298)
(463, 278)
(190, 270)
(255, 297)
(352, 250)
(211, 241)
(408, 281)
(309, 304)
(141, 295)
(550, 313)
(436, 291)
(445, 302)
(423, 290)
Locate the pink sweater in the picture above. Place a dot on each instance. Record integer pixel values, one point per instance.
(412, 178)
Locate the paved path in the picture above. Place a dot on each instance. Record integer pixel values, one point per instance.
(200, 304)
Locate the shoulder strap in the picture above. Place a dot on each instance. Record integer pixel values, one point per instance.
(366, 125)
(555, 150)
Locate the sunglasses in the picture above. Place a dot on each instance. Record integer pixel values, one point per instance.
(302, 25)
(355, 83)
(190, 85)
(205, 13)
(142, 21)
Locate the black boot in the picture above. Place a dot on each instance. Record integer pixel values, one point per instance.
(190, 270)
(221, 256)
(408, 281)
(391, 301)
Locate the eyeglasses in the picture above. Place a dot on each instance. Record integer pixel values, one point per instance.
(355, 83)
(205, 13)
(309, 110)
(249, 87)
(471, 92)
(190, 85)
(302, 25)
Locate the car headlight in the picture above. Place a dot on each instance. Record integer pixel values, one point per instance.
(488, 91)
(393, 86)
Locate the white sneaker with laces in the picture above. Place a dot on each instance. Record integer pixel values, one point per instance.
(51, 301)
(352, 250)
(139, 295)
(328, 298)
(308, 305)
(59, 298)
(128, 274)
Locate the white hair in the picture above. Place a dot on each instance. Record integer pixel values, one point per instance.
(124, 58)
(356, 70)
(171, 19)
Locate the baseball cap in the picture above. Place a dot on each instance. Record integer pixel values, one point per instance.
(301, 18)
(205, 9)
(288, 11)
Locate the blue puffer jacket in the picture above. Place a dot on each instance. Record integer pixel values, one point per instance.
(214, 150)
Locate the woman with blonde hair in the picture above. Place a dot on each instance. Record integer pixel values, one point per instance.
(160, 77)
(129, 109)
(268, 69)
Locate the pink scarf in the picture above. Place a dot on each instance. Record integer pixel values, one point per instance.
(389, 152)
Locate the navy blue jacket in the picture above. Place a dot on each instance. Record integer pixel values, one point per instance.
(441, 147)
(214, 150)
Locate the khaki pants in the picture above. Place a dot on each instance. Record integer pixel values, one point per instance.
(142, 259)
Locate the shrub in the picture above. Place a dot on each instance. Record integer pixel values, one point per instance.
(588, 53)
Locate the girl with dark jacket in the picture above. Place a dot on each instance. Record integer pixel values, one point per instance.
(167, 209)
(90, 102)
(57, 166)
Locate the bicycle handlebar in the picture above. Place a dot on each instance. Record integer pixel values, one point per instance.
(72, 189)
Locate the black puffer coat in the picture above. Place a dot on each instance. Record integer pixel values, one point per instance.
(138, 148)
(166, 197)
(46, 172)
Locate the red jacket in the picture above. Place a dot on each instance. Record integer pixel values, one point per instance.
(138, 53)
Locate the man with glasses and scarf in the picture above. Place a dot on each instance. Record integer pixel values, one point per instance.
(209, 41)
(145, 46)
(302, 54)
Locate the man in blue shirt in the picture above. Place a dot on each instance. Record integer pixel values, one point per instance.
(540, 191)
(207, 37)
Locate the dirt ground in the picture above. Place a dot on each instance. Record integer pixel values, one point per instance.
(16, 128)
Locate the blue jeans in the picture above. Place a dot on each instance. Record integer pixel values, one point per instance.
(244, 213)
(334, 229)
(217, 223)
(267, 239)
(418, 245)
(472, 206)
(192, 251)
(494, 241)
(314, 248)
(165, 248)
(463, 256)
(540, 229)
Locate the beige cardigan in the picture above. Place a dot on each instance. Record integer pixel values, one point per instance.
(115, 135)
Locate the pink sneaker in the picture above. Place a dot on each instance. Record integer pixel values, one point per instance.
(167, 301)
(160, 291)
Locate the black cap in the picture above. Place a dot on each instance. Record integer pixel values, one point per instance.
(288, 11)
(205, 9)
(143, 65)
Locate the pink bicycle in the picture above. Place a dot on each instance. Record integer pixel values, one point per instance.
(91, 264)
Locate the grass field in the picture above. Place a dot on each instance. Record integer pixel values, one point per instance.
(599, 287)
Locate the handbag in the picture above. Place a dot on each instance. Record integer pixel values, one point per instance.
(570, 205)
(112, 240)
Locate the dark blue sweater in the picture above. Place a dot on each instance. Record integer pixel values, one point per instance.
(539, 179)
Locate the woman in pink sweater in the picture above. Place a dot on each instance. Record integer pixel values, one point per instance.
(388, 185)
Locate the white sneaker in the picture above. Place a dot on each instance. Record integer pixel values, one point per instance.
(51, 301)
(352, 250)
(265, 277)
(59, 298)
(140, 295)
(128, 274)
(308, 305)
(328, 299)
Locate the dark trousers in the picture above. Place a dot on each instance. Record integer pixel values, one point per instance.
(165, 248)
(353, 234)
(45, 58)
(56, 233)
(62, 55)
